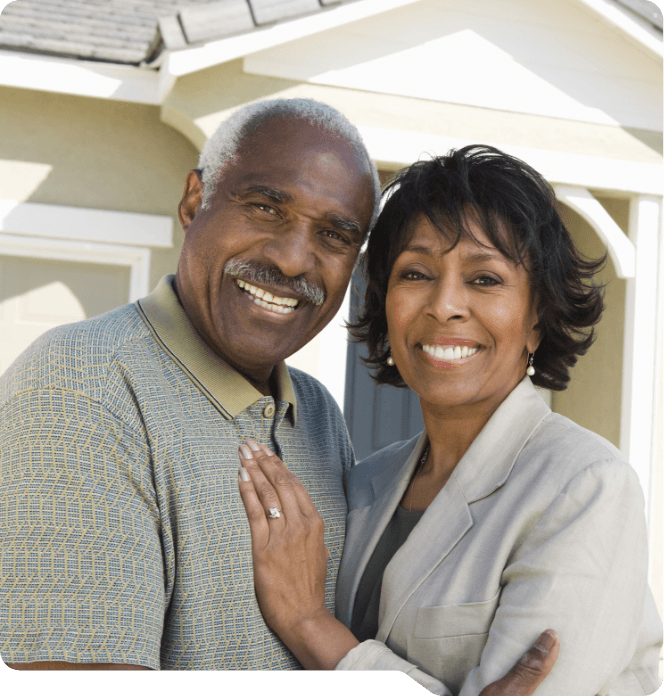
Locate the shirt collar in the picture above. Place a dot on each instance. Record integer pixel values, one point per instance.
(229, 392)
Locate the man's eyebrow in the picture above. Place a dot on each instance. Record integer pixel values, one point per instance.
(270, 193)
(343, 224)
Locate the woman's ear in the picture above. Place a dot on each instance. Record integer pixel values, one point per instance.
(534, 337)
(191, 199)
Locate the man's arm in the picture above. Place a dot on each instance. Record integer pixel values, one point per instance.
(24, 666)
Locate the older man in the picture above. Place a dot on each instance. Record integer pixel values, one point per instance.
(123, 538)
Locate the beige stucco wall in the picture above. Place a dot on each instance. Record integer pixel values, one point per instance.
(83, 152)
(593, 396)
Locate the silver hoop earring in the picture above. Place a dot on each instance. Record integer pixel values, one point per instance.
(390, 360)
(530, 371)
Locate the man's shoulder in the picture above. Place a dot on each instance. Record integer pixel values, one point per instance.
(75, 356)
(311, 394)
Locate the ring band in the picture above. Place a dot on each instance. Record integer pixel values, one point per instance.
(274, 513)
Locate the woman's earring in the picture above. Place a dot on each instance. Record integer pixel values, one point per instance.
(390, 360)
(530, 371)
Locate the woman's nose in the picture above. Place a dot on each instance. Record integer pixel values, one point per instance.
(449, 300)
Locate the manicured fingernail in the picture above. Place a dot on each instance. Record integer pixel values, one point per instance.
(254, 446)
(244, 474)
(267, 450)
(246, 452)
(546, 640)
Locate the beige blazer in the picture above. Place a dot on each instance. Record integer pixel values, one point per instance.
(541, 525)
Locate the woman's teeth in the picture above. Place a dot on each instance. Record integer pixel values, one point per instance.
(279, 305)
(450, 352)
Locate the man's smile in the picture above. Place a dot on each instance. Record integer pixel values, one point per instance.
(265, 299)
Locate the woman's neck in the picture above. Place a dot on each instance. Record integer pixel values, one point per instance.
(451, 431)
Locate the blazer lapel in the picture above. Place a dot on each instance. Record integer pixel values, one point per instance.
(483, 469)
(444, 523)
(388, 488)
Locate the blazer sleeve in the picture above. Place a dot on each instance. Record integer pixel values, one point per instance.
(374, 655)
(581, 570)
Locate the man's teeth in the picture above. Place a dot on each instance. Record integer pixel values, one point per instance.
(280, 305)
(449, 353)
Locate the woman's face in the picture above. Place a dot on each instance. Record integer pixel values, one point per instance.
(460, 322)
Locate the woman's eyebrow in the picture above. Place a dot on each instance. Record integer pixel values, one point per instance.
(478, 256)
(484, 256)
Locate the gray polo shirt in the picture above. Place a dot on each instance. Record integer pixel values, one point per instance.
(122, 533)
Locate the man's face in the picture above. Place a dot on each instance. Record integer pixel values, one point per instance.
(288, 218)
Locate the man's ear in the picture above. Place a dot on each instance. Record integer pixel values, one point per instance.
(191, 199)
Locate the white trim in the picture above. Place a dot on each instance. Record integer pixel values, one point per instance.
(85, 224)
(190, 60)
(621, 249)
(332, 351)
(79, 77)
(398, 148)
(137, 258)
(631, 24)
(639, 358)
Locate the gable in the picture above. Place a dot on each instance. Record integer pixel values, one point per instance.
(525, 56)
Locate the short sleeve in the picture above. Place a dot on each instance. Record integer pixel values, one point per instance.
(81, 565)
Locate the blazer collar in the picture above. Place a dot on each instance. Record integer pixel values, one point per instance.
(484, 468)
(229, 392)
(490, 458)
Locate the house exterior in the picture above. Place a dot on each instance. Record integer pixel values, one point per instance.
(105, 107)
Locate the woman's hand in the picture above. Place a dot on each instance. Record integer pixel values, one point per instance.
(290, 560)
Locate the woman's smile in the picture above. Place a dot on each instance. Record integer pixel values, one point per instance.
(449, 356)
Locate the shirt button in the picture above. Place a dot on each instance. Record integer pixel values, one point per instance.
(269, 411)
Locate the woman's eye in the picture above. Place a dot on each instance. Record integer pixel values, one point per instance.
(413, 275)
(486, 280)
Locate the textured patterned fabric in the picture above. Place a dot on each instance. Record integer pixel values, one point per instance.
(122, 533)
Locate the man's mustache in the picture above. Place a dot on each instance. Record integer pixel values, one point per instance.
(270, 275)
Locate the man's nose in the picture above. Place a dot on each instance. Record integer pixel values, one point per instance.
(292, 249)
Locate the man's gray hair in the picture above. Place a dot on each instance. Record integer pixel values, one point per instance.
(223, 145)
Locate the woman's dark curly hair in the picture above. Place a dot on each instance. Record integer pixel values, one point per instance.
(504, 194)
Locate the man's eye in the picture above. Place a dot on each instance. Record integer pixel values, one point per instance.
(334, 235)
(265, 208)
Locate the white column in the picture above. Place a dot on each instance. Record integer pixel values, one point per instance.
(639, 359)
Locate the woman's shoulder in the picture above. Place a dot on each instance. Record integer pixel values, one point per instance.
(568, 437)
(563, 450)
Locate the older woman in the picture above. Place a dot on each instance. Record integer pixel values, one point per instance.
(502, 517)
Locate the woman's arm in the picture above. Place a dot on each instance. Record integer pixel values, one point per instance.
(290, 564)
(582, 567)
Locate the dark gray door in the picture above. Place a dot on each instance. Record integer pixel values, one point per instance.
(376, 415)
